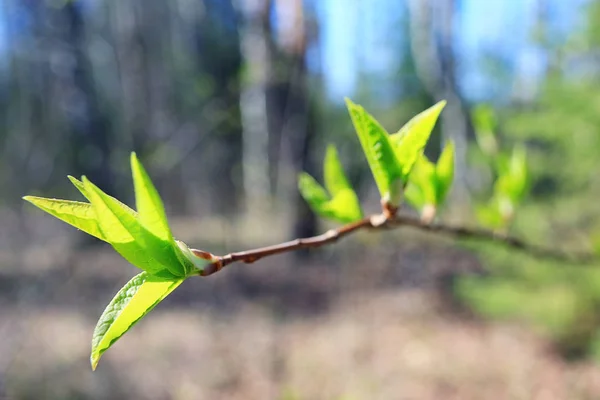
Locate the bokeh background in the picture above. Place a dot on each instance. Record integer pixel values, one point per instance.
(225, 101)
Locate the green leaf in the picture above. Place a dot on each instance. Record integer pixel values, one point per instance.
(414, 196)
(379, 152)
(80, 215)
(513, 181)
(484, 122)
(423, 176)
(444, 171)
(489, 216)
(344, 207)
(140, 295)
(79, 185)
(129, 238)
(151, 211)
(314, 194)
(519, 176)
(335, 179)
(410, 141)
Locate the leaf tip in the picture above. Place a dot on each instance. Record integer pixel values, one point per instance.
(350, 104)
(94, 358)
(73, 179)
(331, 151)
(441, 104)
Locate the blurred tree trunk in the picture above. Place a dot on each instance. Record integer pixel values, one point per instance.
(291, 111)
(133, 113)
(88, 127)
(219, 62)
(257, 47)
(436, 67)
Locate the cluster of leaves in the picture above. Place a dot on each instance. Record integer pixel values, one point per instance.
(512, 181)
(559, 301)
(145, 240)
(392, 159)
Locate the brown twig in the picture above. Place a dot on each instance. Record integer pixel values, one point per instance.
(386, 221)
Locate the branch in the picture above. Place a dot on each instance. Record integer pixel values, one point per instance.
(386, 221)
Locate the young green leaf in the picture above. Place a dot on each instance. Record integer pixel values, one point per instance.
(379, 152)
(512, 182)
(410, 141)
(129, 238)
(423, 175)
(414, 196)
(489, 215)
(79, 185)
(335, 179)
(140, 295)
(151, 211)
(80, 215)
(484, 122)
(344, 207)
(444, 171)
(312, 191)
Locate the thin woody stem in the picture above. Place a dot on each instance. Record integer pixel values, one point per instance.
(502, 239)
(386, 221)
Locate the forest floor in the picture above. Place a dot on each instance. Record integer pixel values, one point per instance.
(369, 318)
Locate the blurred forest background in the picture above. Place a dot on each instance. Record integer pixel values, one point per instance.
(225, 102)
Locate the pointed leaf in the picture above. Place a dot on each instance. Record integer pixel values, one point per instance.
(410, 141)
(335, 178)
(379, 152)
(489, 216)
(140, 295)
(129, 238)
(423, 175)
(519, 178)
(149, 205)
(80, 215)
(314, 194)
(183, 260)
(484, 122)
(344, 207)
(79, 185)
(512, 182)
(414, 196)
(444, 171)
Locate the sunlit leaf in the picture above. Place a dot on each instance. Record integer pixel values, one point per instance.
(129, 238)
(485, 123)
(444, 171)
(140, 295)
(513, 182)
(379, 152)
(79, 185)
(335, 178)
(410, 141)
(489, 216)
(314, 194)
(344, 207)
(414, 196)
(151, 211)
(80, 215)
(423, 176)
